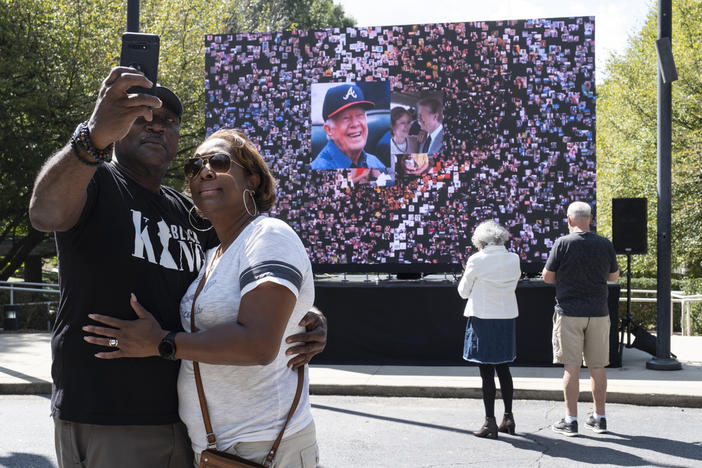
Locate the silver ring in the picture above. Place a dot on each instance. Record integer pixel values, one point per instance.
(114, 342)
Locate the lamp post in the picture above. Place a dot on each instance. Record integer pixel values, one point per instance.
(666, 75)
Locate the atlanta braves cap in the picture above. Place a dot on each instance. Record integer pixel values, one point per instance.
(342, 97)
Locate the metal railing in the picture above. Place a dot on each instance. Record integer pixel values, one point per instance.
(676, 297)
(30, 287)
(23, 286)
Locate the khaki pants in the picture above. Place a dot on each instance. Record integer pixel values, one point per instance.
(99, 446)
(578, 338)
(299, 450)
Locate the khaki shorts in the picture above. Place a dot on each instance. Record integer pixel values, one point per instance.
(578, 338)
(298, 450)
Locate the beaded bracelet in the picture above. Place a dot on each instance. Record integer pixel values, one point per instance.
(81, 140)
(76, 151)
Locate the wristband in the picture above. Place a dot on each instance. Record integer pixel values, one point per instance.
(81, 141)
(76, 151)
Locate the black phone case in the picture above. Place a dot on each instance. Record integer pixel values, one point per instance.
(140, 51)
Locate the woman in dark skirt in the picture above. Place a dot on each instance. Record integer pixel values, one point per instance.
(489, 283)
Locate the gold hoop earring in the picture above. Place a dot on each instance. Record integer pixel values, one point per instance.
(246, 206)
(190, 220)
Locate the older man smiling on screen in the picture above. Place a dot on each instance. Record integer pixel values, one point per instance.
(344, 114)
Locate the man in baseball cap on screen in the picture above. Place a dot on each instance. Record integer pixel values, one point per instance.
(344, 114)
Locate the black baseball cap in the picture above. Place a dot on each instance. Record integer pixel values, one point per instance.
(342, 97)
(169, 99)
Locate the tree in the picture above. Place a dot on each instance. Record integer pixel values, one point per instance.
(42, 99)
(627, 136)
(54, 55)
(279, 15)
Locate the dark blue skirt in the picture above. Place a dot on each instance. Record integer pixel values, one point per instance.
(490, 341)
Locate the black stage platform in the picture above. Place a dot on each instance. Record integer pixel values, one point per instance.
(421, 322)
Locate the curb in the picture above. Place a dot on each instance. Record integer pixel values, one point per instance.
(639, 399)
(31, 388)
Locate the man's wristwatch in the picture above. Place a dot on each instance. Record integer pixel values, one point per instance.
(167, 347)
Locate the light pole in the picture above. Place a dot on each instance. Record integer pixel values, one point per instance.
(666, 75)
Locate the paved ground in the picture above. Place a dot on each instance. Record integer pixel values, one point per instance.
(380, 432)
(25, 360)
(361, 423)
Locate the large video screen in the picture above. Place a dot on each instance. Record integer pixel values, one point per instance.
(390, 144)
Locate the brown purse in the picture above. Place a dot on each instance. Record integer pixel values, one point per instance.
(211, 457)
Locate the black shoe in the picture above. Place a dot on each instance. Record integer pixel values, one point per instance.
(599, 427)
(507, 425)
(489, 429)
(565, 428)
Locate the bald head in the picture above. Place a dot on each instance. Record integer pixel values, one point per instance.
(578, 210)
(579, 216)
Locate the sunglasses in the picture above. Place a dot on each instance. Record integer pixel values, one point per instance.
(218, 162)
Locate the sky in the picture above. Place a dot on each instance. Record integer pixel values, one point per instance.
(615, 20)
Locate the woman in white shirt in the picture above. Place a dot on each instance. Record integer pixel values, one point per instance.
(489, 283)
(258, 286)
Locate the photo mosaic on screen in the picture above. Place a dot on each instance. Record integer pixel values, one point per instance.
(515, 101)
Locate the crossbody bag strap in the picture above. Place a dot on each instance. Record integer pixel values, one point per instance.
(293, 407)
(211, 438)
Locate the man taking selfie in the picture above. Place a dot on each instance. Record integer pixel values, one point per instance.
(119, 231)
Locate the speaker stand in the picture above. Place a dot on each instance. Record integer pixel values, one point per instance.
(626, 321)
(656, 363)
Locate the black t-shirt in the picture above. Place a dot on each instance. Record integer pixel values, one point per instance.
(582, 262)
(128, 239)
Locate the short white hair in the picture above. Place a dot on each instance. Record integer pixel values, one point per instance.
(579, 209)
(489, 233)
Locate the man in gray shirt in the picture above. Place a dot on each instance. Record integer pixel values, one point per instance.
(581, 264)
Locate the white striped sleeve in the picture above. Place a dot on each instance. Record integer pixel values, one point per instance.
(273, 253)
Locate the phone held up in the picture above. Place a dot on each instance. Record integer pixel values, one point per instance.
(140, 51)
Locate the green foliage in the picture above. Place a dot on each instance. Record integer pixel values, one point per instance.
(280, 15)
(694, 286)
(55, 54)
(645, 313)
(627, 136)
(48, 79)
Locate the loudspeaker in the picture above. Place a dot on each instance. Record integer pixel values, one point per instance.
(666, 64)
(630, 225)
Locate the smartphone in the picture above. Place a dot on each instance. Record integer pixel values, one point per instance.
(140, 51)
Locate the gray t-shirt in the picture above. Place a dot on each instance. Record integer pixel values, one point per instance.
(582, 262)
